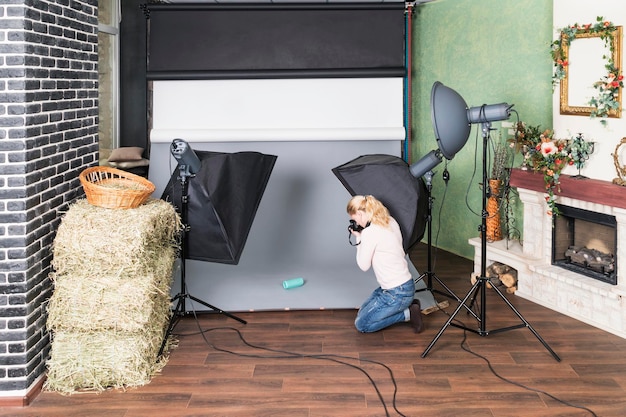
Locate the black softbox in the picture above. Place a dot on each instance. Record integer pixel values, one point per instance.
(224, 196)
(389, 179)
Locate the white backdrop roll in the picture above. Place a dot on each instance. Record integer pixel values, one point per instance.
(288, 109)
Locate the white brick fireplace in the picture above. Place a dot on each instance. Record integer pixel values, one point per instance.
(592, 301)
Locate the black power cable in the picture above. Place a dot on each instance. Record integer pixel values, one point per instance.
(508, 381)
(284, 354)
(446, 177)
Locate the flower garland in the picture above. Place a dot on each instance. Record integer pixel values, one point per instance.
(554, 156)
(608, 86)
(608, 91)
(543, 153)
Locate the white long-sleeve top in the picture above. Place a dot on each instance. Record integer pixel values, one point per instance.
(381, 248)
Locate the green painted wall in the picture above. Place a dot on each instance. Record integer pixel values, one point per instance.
(489, 51)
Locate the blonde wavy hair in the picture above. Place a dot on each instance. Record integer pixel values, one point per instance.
(376, 212)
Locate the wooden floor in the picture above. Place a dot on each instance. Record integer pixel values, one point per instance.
(322, 366)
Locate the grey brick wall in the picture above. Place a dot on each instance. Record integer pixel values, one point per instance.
(48, 135)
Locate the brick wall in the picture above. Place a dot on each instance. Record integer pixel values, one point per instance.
(48, 134)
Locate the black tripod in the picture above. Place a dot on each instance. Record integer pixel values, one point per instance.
(180, 311)
(429, 274)
(480, 285)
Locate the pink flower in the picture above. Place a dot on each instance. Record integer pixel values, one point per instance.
(548, 148)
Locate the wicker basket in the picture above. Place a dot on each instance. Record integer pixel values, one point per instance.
(113, 188)
(494, 222)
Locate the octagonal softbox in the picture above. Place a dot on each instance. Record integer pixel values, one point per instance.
(224, 196)
(389, 179)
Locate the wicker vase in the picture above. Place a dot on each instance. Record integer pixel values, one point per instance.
(494, 226)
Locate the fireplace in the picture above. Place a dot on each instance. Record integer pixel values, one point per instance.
(585, 242)
(598, 300)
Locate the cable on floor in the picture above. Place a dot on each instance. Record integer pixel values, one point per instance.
(466, 348)
(284, 354)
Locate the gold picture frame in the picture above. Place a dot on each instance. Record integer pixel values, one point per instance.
(574, 81)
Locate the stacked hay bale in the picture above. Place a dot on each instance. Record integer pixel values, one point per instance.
(112, 274)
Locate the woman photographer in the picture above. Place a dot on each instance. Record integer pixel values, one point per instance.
(379, 246)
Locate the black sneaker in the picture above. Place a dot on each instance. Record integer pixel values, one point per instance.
(415, 319)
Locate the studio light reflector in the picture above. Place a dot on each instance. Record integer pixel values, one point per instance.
(452, 120)
(448, 113)
(224, 196)
(387, 178)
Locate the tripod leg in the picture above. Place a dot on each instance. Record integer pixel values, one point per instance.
(219, 310)
(519, 315)
(449, 293)
(452, 316)
(177, 313)
(471, 305)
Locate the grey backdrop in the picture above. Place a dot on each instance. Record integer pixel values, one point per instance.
(300, 230)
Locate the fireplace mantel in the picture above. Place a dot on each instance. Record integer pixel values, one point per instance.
(585, 189)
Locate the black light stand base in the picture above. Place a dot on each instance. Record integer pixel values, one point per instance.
(180, 312)
(428, 279)
(479, 287)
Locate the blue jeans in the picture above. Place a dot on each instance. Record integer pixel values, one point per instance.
(385, 307)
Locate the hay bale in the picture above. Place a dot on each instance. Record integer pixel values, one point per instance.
(112, 240)
(102, 302)
(95, 361)
(112, 274)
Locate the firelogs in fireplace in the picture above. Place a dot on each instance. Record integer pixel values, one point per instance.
(591, 258)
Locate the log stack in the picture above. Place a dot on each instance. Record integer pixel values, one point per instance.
(500, 275)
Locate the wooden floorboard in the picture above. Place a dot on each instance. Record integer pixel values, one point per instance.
(315, 364)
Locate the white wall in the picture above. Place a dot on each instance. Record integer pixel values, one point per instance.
(600, 164)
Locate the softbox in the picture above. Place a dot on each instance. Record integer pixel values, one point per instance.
(224, 196)
(389, 179)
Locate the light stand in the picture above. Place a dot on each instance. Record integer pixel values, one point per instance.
(480, 285)
(189, 164)
(452, 119)
(429, 274)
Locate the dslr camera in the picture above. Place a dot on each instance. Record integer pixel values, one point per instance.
(354, 226)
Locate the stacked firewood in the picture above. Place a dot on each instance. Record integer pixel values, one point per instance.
(500, 275)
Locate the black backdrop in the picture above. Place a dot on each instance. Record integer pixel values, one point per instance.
(275, 40)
